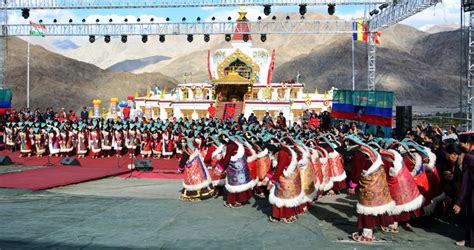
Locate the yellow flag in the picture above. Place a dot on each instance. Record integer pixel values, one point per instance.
(136, 94)
(316, 91)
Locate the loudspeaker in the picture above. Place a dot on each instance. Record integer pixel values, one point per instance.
(5, 160)
(70, 161)
(143, 165)
(403, 119)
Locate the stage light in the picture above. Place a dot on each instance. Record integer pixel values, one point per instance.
(267, 10)
(83, 20)
(91, 39)
(144, 38)
(162, 38)
(70, 20)
(229, 18)
(287, 17)
(331, 9)
(138, 20)
(110, 20)
(198, 19)
(245, 37)
(263, 37)
(25, 13)
(168, 19)
(126, 20)
(274, 18)
(190, 38)
(374, 12)
(228, 38)
(207, 38)
(183, 19)
(55, 21)
(107, 39)
(41, 21)
(97, 20)
(383, 6)
(303, 9)
(259, 18)
(213, 18)
(124, 39)
(152, 19)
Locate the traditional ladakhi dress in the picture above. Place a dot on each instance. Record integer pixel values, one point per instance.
(286, 194)
(131, 141)
(374, 200)
(197, 181)
(117, 143)
(338, 175)
(402, 187)
(167, 144)
(10, 134)
(434, 181)
(414, 164)
(316, 165)
(25, 143)
(146, 145)
(239, 183)
(66, 142)
(81, 147)
(251, 160)
(94, 143)
(263, 166)
(307, 176)
(213, 155)
(40, 143)
(107, 140)
(156, 145)
(326, 183)
(53, 142)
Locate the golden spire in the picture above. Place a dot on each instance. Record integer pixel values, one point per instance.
(242, 14)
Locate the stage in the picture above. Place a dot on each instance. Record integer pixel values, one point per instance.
(52, 174)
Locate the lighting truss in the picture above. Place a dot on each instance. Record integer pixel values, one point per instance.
(470, 75)
(398, 12)
(116, 4)
(201, 28)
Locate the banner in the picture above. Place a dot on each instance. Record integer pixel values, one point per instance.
(374, 107)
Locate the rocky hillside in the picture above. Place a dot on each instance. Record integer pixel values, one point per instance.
(59, 81)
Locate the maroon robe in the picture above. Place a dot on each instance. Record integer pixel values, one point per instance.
(466, 198)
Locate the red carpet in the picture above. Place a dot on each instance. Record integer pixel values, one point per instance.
(90, 169)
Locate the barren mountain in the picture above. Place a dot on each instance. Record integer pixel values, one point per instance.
(59, 81)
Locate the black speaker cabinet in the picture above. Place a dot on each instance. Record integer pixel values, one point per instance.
(143, 165)
(404, 119)
(5, 160)
(70, 161)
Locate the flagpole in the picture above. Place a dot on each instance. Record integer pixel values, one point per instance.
(28, 77)
(353, 65)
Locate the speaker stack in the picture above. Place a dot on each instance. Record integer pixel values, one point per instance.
(403, 119)
(143, 165)
(70, 161)
(5, 160)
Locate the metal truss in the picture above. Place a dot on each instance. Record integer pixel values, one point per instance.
(116, 4)
(398, 12)
(470, 76)
(371, 45)
(200, 28)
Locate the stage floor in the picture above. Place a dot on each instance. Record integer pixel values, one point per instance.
(146, 213)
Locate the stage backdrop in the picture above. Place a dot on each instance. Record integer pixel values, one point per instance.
(374, 107)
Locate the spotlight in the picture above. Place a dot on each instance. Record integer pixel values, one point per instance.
(97, 20)
(144, 38)
(263, 37)
(138, 20)
(303, 9)
(331, 9)
(83, 20)
(213, 18)
(198, 19)
(207, 38)
(107, 39)
(25, 13)
(228, 38)
(91, 39)
(259, 18)
(110, 20)
(124, 39)
(274, 18)
(245, 37)
(374, 12)
(190, 38)
(168, 19)
(152, 19)
(229, 18)
(41, 21)
(126, 20)
(55, 21)
(184, 19)
(70, 20)
(383, 6)
(287, 17)
(267, 10)
(162, 38)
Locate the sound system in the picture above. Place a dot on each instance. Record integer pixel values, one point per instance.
(5, 160)
(404, 119)
(143, 165)
(468, 5)
(70, 161)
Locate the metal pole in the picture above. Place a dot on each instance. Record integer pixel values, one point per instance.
(28, 77)
(353, 65)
